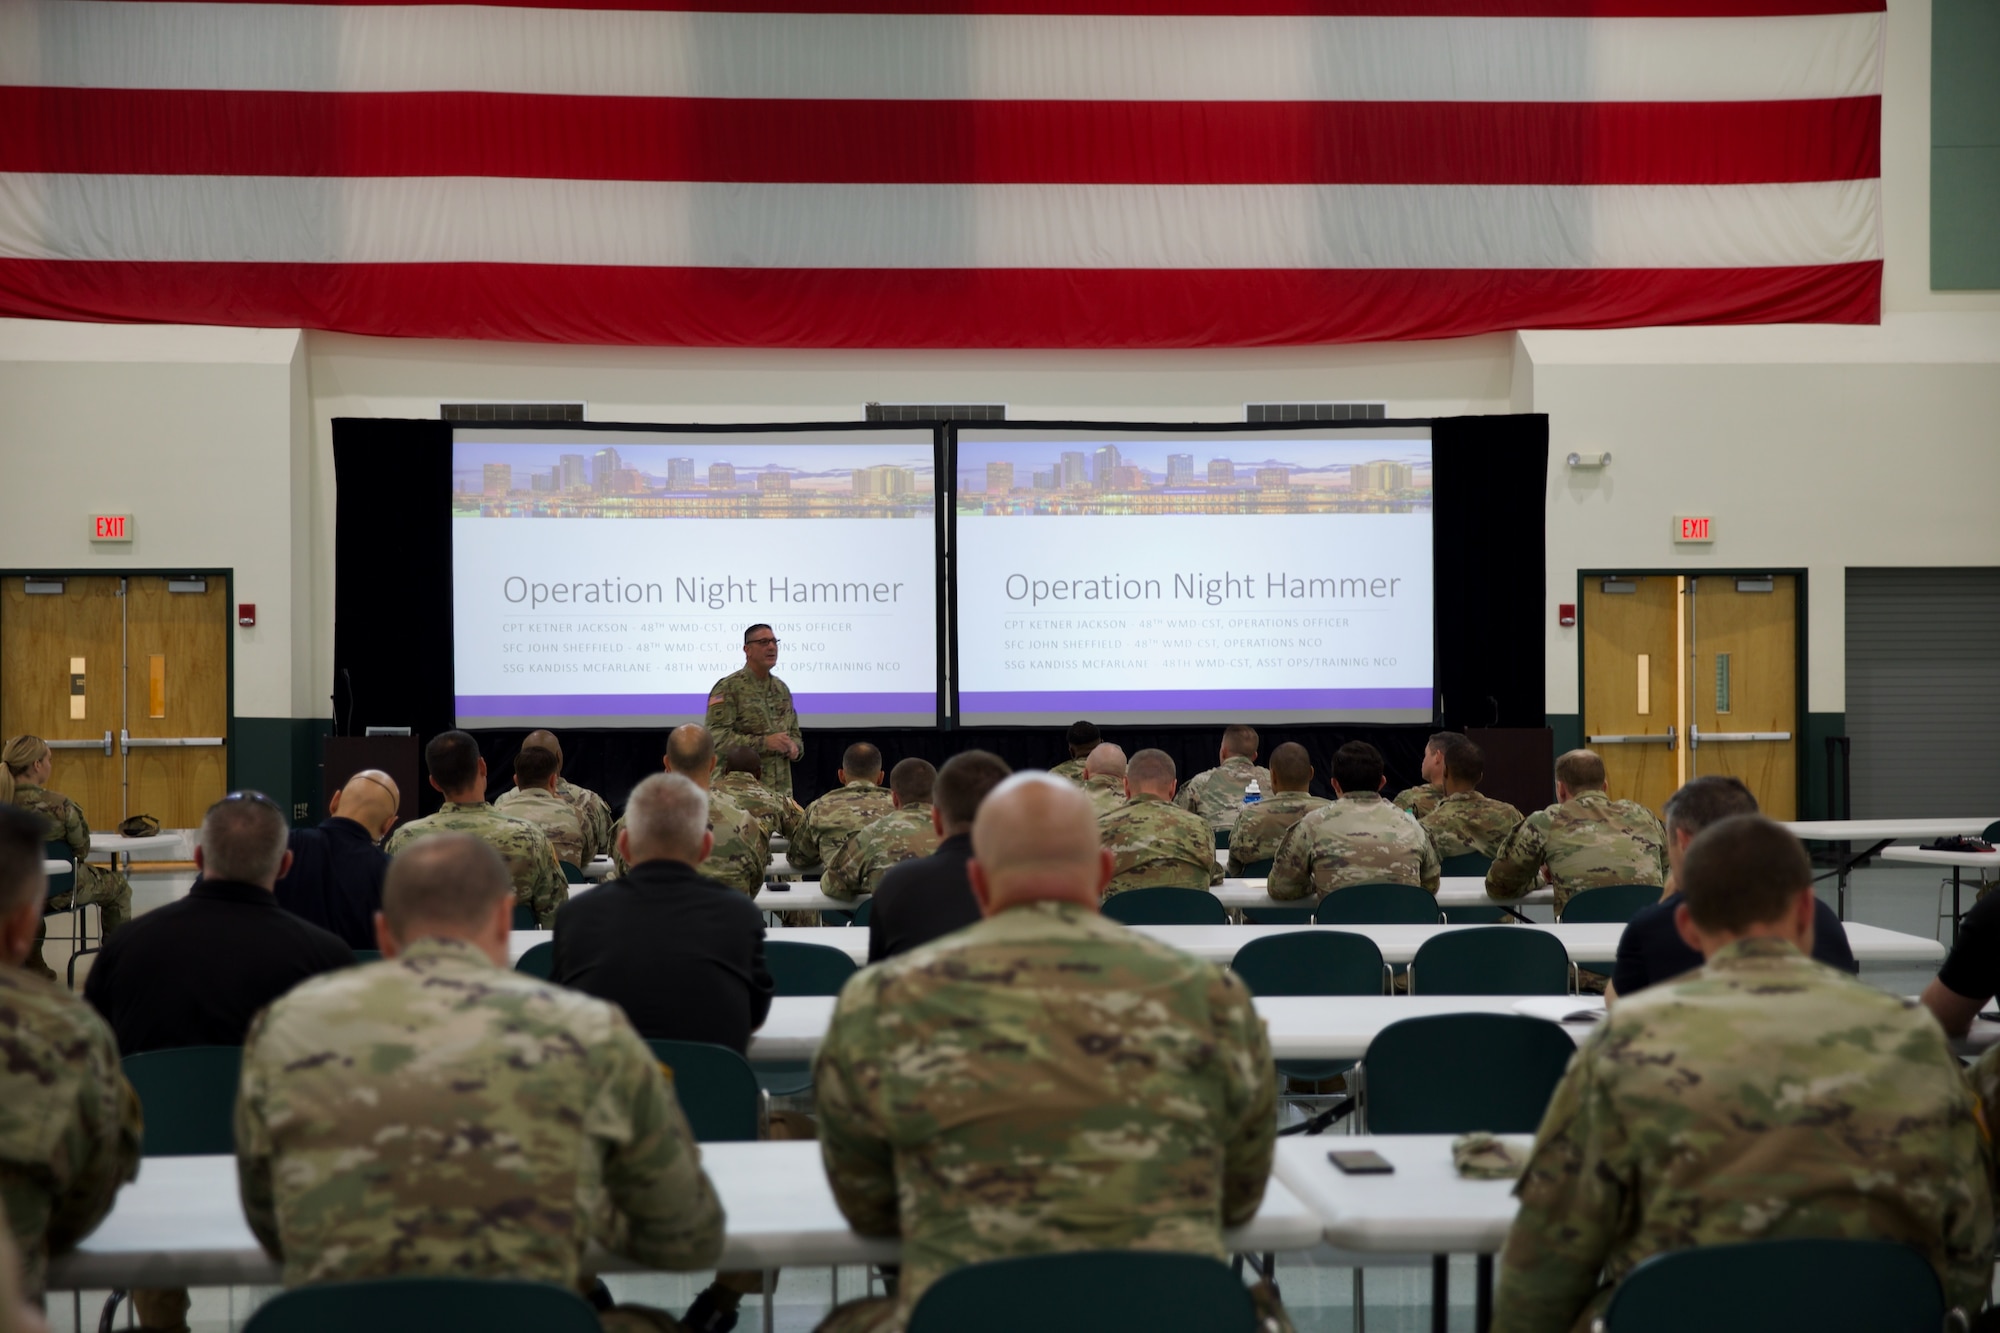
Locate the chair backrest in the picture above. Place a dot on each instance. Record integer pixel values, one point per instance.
(188, 1094)
(1166, 907)
(369, 956)
(424, 1304)
(1828, 1286)
(863, 913)
(1258, 869)
(1455, 1073)
(1222, 840)
(717, 1088)
(1378, 905)
(1311, 962)
(58, 850)
(1491, 960)
(571, 874)
(1465, 863)
(1992, 833)
(524, 918)
(538, 961)
(806, 969)
(1278, 916)
(1087, 1292)
(1610, 902)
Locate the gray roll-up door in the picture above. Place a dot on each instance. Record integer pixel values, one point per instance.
(1923, 691)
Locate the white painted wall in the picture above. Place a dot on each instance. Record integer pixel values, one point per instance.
(197, 433)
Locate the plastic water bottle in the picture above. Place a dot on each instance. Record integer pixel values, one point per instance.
(1252, 793)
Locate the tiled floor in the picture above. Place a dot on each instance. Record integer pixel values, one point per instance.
(1318, 1287)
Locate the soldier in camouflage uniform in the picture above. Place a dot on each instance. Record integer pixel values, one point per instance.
(1042, 1081)
(25, 764)
(459, 773)
(1465, 822)
(1358, 839)
(439, 1114)
(1082, 739)
(741, 852)
(69, 1122)
(1217, 795)
(1421, 800)
(907, 832)
(753, 707)
(534, 799)
(1154, 843)
(592, 814)
(1761, 1097)
(856, 803)
(1104, 779)
(1585, 841)
(1263, 826)
(777, 816)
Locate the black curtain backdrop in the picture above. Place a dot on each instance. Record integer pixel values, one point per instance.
(392, 643)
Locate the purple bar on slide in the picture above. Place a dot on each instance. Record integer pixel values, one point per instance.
(627, 705)
(1150, 701)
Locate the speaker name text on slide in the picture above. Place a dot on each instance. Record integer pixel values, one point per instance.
(611, 584)
(1236, 578)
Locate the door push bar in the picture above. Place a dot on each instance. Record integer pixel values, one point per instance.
(1695, 736)
(131, 742)
(1669, 739)
(82, 745)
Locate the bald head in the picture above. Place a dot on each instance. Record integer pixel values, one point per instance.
(691, 753)
(371, 799)
(545, 740)
(1106, 761)
(1035, 840)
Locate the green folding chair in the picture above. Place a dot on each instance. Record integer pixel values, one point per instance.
(571, 874)
(1088, 1291)
(1491, 960)
(60, 883)
(524, 918)
(424, 1305)
(1828, 1286)
(1617, 903)
(1378, 905)
(538, 961)
(1222, 840)
(1258, 869)
(1166, 907)
(717, 1088)
(1313, 962)
(800, 969)
(1467, 865)
(864, 913)
(1455, 1073)
(189, 1096)
(375, 956)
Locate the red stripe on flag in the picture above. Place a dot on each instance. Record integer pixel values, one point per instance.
(1195, 8)
(169, 132)
(929, 307)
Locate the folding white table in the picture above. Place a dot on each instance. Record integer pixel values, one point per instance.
(1453, 891)
(1877, 833)
(1958, 861)
(180, 1224)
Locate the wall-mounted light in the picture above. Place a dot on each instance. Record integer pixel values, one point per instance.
(1590, 460)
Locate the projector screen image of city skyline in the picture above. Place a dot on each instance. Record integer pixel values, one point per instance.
(1016, 478)
(572, 479)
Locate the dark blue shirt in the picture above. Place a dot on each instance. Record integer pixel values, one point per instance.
(336, 880)
(1651, 950)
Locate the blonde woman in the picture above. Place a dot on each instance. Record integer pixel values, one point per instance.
(27, 761)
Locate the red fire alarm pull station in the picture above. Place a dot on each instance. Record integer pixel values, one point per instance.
(246, 614)
(1566, 614)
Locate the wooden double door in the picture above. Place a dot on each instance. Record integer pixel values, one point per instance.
(1690, 675)
(127, 678)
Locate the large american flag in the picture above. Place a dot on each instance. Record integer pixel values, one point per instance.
(941, 173)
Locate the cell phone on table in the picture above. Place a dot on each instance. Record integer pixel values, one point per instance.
(1359, 1163)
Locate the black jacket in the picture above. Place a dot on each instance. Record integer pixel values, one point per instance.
(195, 972)
(922, 899)
(336, 880)
(682, 955)
(1651, 950)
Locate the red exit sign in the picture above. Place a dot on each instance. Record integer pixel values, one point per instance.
(1694, 528)
(111, 527)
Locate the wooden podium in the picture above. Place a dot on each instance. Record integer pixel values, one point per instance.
(1520, 765)
(345, 756)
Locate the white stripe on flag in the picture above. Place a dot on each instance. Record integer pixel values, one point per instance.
(701, 224)
(388, 48)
